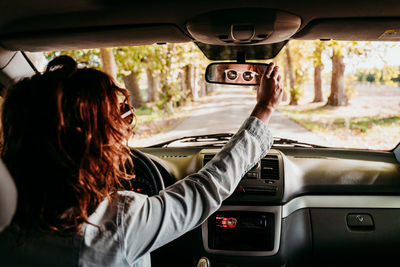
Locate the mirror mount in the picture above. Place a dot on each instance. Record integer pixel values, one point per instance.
(241, 57)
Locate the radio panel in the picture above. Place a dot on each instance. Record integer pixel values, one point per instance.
(241, 230)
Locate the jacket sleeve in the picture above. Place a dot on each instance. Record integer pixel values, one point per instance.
(150, 222)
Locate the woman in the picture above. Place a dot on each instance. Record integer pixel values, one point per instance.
(65, 144)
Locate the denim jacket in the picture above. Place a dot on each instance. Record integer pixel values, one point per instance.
(133, 225)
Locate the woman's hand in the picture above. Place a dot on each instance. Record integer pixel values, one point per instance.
(269, 94)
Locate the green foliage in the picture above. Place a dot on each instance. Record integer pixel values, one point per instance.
(85, 57)
(388, 75)
(166, 62)
(300, 69)
(348, 49)
(297, 92)
(319, 48)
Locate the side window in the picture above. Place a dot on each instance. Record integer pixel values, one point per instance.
(37, 59)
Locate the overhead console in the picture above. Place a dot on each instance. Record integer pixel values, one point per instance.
(243, 26)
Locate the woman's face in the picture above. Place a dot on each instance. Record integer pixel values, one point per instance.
(240, 73)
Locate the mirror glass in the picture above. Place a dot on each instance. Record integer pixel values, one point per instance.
(235, 73)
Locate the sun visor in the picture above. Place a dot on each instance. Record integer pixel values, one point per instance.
(249, 52)
(363, 29)
(93, 38)
(244, 26)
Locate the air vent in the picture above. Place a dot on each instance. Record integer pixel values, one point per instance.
(173, 156)
(207, 158)
(270, 167)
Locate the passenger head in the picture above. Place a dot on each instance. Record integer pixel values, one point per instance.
(65, 144)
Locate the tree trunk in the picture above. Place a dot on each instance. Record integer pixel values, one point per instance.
(108, 60)
(151, 86)
(293, 100)
(285, 84)
(289, 64)
(188, 82)
(202, 85)
(318, 97)
(131, 83)
(284, 96)
(195, 91)
(338, 94)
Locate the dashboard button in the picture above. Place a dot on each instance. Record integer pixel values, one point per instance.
(252, 175)
(360, 221)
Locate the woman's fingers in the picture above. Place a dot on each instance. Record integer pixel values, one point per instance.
(274, 72)
(269, 70)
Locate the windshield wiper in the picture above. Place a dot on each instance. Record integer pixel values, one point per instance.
(290, 142)
(214, 139)
(219, 140)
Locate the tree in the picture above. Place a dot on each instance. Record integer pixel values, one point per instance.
(131, 61)
(318, 67)
(108, 60)
(131, 83)
(193, 63)
(289, 75)
(152, 94)
(173, 71)
(338, 95)
(297, 57)
(85, 57)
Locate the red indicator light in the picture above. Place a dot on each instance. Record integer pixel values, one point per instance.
(232, 222)
(133, 189)
(139, 189)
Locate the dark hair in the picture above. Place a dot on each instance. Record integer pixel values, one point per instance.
(65, 144)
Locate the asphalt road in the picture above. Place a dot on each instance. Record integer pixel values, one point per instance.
(225, 113)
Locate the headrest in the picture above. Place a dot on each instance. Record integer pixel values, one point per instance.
(8, 197)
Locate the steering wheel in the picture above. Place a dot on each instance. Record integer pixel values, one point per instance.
(148, 179)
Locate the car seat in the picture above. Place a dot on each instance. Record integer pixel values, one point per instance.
(8, 197)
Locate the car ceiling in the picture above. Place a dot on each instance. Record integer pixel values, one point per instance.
(46, 25)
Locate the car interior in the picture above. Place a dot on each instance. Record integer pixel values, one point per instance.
(301, 205)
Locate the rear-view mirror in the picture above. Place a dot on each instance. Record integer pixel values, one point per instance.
(235, 73)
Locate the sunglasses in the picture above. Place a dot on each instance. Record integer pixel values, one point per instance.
(247, 75)
(127, 112)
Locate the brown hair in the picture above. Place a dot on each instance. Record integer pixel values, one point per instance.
(65, 144)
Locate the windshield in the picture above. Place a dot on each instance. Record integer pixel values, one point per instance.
(337, 94)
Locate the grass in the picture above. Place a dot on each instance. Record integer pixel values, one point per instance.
(345, 129)
(363, 124)
(151, 120)
(148, 114)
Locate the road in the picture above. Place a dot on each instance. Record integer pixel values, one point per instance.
(225, 113)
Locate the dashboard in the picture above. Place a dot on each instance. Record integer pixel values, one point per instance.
(296, 207)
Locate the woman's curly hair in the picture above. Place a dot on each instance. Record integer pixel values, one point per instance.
(65, 144)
